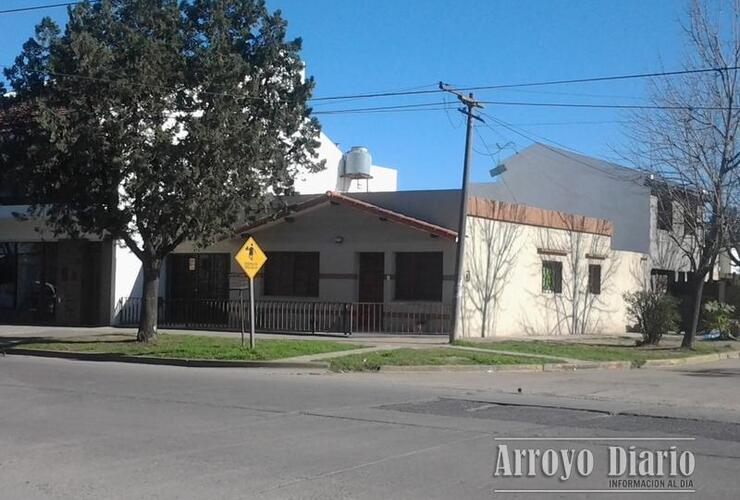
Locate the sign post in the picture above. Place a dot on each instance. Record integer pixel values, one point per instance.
(250, 258)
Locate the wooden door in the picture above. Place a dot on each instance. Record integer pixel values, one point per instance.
(372, 269)
(369, 316)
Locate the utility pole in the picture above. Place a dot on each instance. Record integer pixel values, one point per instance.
(469, 104)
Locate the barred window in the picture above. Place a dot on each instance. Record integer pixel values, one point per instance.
(419, 276)
(292, 274)
(552, 276)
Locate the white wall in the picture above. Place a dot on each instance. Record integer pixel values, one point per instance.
(324, 180)
(384, 178)
(504, 278)
(127, 276)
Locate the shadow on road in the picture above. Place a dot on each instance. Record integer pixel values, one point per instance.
(713, 372)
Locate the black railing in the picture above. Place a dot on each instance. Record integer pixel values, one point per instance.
(295, 317)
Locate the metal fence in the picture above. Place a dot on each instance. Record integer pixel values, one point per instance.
(294, 316)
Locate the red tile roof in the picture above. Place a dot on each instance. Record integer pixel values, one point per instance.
(334, 197)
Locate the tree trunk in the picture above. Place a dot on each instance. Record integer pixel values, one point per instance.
(689, 336)
(484, 318)
(149, 306)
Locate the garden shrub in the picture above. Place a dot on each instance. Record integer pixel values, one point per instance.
(718, 316)
(654, 313)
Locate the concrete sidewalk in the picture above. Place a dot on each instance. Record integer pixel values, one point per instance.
(60, 332)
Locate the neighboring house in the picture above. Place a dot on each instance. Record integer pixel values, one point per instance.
(531, 271)
(44, 279)
(552, 178)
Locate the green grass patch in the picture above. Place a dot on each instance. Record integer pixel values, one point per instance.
(192, 347)
(601, 352)
(372, 361)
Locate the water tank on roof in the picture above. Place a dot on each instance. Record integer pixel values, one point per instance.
(357, 162)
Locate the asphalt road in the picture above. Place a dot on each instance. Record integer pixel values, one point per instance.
(76, 430)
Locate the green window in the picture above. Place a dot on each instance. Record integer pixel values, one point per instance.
(552, 276)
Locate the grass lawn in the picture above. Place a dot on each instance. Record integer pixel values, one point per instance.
(417, 357)
(602, 352)
(193, 347)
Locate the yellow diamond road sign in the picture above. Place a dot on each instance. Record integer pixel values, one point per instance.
(251, 258)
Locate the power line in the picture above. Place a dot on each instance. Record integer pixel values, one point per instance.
(577, 122)
(398, 107)
(528, 136)
(423, 92)
(40, 7)
(604, 106)
(404, 89)
(537, 84)
(536, 104)
(392, 109)
(553, 181)
(491, 155)
(574, 94)
(608, 78)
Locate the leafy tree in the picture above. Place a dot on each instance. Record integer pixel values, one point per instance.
(153, 123)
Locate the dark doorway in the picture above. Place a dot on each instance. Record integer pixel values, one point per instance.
(28, 283)
(370, 293)
(372, 269)
(90, 284)
(197, 289)
(198, 276)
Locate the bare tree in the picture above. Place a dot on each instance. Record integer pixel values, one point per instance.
(490, 262)
(688, 144)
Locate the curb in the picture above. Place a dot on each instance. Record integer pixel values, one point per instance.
(562, 367)
(589, 365)
(657, 363)
(322, 365)
(462, 368)
(150, 360)
(528, 368)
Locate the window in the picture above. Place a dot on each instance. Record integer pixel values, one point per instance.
(198, 276)
(419, 276)
(292, 274)
(594, 279)
(552, 276)
(665, 213)
(691, 220)
(27, 274)
(8, 273)
(661, 279)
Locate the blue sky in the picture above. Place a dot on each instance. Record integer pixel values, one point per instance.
(353, 46)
